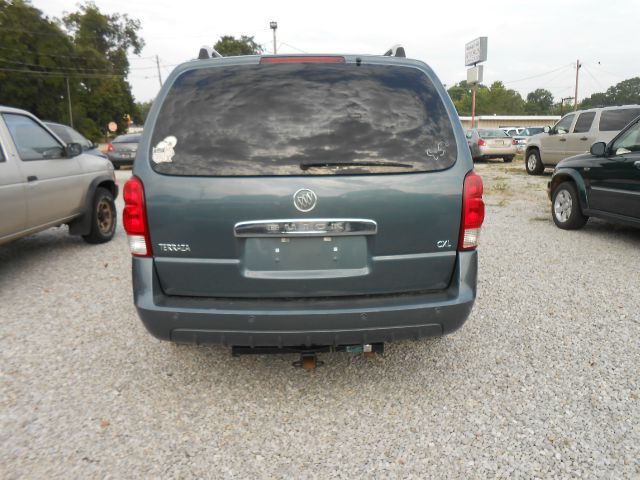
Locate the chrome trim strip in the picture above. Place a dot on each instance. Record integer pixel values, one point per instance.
(615, 190)
(414, 256)
(212, 261)
(312, 227)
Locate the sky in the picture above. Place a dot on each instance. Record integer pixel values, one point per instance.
(530, 44)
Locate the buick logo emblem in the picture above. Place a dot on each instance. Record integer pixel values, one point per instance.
(305, 200)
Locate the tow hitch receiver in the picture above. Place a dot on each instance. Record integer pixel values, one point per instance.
(309, 355)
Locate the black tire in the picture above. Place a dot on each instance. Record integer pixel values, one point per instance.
(533, 164)
(103, 217)
(565, 207)
(508, 159)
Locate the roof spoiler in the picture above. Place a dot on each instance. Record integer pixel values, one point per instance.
(206, 52)
(395, 51)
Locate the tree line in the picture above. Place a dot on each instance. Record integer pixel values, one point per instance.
(499, 100)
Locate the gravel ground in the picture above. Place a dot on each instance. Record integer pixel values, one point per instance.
(542, 381)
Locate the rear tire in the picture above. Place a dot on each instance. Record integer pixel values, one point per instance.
(565, 207)
(533, 164)
(103, 217)
(508, 159)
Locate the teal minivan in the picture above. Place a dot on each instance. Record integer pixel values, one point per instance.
(303, 201)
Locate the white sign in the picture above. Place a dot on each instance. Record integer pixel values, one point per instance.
(475, 74)
(475, 51)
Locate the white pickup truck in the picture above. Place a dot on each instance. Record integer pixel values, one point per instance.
(45, 183)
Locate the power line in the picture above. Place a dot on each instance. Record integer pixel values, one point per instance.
(97, 70)
(61, 73)
(539, 75)
(82, 57)
(593, 77)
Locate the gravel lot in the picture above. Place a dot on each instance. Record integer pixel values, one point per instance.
(542, 380)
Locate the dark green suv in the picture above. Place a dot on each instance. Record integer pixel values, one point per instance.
(604, 183)
(303, 201)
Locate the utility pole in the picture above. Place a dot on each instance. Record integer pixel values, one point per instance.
(575, 97)
(562, 104)
(69, 100)
(274, 27)
(473, 107)
(159, 75)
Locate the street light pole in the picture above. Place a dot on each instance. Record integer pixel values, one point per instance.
(274, 27)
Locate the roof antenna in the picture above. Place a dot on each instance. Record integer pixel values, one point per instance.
(206, 52)
(395, 51)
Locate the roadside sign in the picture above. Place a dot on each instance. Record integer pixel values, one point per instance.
(475, 51)
(113, 126)
(475, 74)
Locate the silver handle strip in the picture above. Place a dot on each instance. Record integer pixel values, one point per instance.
(313, 227)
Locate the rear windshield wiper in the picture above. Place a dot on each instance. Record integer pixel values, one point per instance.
(370, 163)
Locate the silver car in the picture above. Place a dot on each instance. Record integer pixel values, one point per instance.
(574, 134)
(486, 143)
(122, 150)
(45, 182)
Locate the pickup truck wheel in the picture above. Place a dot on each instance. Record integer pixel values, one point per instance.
(533, 164)
(565, 207)
(103, 217)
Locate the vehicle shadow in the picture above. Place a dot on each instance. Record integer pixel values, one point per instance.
(616, 231)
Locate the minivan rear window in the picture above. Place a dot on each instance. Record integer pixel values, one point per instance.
(302, 119)
(615, 120)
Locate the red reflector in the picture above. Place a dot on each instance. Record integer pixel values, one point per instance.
(300, 59)
(110, 148)
(481, 142)
(514, 142)
(472, 212)
(134, 218)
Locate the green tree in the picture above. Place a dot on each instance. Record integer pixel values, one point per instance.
(30, 46)
(501, 101)
(623, 93)
(229, 46)
(539, 102)
(103, 41)
(141, 112)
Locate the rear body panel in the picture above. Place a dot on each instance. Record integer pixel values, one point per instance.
(207, 280)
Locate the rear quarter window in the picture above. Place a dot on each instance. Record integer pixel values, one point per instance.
(271, 119)
(615, 120)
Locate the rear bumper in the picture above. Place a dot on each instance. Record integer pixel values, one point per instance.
(496, 151)
(120, 161)
(304, 322)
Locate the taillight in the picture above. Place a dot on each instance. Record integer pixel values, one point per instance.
(110, 148)
(514, 142)
(303, 59)
(134, 218)
(472, 212)
(481, 142)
